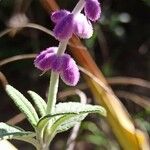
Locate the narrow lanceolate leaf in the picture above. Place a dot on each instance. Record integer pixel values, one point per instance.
(80, 110)
(23, 104)
(39, 102)
(75, 107)
(10, 132)
(68, 114)
(65, 116)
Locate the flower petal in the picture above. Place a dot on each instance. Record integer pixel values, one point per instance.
(83, 27)
(70, 72)
(58, 15)
(92, 9)
(64, 28)
(44, 60)
(56, 64)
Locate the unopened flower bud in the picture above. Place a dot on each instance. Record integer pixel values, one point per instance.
(64, 28)
(56, 64)
(45, 59)
(70, 72)
(58, 15)
(92, 9)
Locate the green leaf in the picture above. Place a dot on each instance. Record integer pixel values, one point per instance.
(10, 132)
(23, 104)
(75, 107)
(65, 116)
(81, 110)
(39, 102)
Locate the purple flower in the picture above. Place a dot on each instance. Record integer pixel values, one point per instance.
(64, 28)
(70, 72)
(45, 59)
(64, 65)
(70, 76)
(92, 9)
(58, 15)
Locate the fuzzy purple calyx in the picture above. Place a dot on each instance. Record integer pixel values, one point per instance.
(57, 63)
(64, 28)
(68, 23)
(62, 64)
(92, 9)
(44, 60)
(83, 27)
(58, 15)
(70, 76)
(70, 72)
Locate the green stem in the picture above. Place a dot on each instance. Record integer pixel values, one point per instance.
(78, 8)
(44, 147)
(52, 93)
(54, 81)
(62, 47)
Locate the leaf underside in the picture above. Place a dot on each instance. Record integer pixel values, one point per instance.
(39, 102)
(23, 104)
(11, 132)
(66, 115)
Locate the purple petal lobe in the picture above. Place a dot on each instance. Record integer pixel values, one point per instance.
(70, 72)
(92, 9)
(64, 28)
(83, 27)
(44, 60)
(58, 15)
(56, 64)
(66, 61)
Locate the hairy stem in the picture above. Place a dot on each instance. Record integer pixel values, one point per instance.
(52, 93)
(54, 81)
(44, 147)
(78, 8)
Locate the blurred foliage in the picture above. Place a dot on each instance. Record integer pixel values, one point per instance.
(95, 136)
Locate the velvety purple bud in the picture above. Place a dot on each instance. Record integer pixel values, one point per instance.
(83, 27)
(70, 75)
(92, 9)
(58, 15)
(50, 50)
(64, 28)
(44, 60)
(45, 63)
(43, 53)
(66, 61)
(56, 64)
